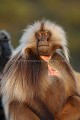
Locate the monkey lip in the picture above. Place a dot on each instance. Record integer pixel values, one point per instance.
(43, 46)
(43, 50)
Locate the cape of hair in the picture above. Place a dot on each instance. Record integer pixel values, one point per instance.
(23, 71)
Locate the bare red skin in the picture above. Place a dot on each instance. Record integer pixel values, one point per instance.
(51, 71)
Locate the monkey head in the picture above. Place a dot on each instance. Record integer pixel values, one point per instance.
(5, 48)
(44, 38)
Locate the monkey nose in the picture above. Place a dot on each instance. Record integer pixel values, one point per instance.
(43, 39)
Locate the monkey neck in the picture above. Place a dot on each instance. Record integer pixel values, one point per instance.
(51, 71)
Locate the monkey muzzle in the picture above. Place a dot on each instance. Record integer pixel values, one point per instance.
(43, 47)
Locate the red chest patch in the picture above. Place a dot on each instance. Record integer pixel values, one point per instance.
(51, 71)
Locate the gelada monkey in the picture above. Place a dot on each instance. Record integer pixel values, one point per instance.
(31, 88)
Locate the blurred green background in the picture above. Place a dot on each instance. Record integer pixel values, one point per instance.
(15, 15)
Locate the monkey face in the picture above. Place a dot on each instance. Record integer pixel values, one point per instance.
(45, 44)
(43, 38)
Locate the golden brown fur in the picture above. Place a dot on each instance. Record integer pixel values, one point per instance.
(71, 108)
(54, 95)
(29, 93)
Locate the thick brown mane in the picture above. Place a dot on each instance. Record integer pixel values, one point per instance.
(28, 68)
(33, 67)
(27, 89)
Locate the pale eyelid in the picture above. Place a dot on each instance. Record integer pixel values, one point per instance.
(46, 34)
(39, 34)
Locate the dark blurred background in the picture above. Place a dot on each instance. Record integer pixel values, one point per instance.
(15, 15)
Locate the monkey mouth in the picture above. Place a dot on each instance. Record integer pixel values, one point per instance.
(43, 50)
(43, 45)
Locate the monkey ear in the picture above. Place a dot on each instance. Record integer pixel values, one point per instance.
(26, 52)
(29, 49)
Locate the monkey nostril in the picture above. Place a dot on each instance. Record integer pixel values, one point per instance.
(42, 39)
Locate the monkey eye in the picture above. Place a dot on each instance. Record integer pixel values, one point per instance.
(39, 34)
(46, 33)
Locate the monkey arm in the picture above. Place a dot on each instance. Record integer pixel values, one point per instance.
(54, 97)
(34, 110)
(71, 110)
(62, 90)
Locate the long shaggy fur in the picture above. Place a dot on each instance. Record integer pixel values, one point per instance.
(26, 85)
